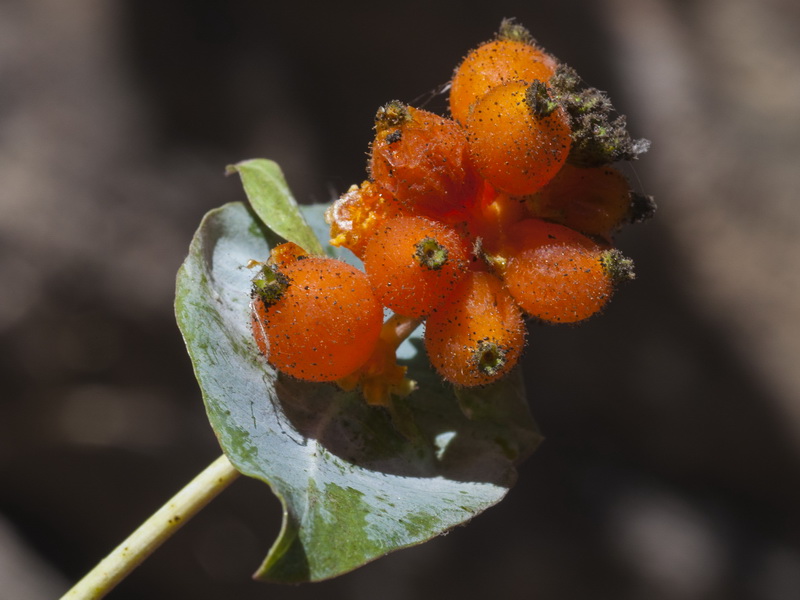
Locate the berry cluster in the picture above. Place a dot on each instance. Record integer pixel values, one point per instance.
(469, 223)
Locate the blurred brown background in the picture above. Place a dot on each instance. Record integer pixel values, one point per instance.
(670, 469)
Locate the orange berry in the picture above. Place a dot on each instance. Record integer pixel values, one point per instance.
(518, 138)
(358, 213)
(477, 336)
(513, 56)
(315, 319)
(557, 274)
(423, 160)
(413, 264)
(592, 200)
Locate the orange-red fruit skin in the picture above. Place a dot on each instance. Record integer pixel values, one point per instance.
(555, 273)
(424, 162)
(514, 150)
(399, 277)
(593, 200)
(479, 313)
(492, 64)
(324, 326)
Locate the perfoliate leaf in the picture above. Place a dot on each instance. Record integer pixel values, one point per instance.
(353, 488)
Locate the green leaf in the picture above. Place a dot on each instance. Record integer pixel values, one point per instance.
(353, 488)
(269, 195)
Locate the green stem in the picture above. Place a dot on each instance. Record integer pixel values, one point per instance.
(154, 531)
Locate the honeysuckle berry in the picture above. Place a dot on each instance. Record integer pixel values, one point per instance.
(422, 159)
(323, 325)
(516, 145)
(557, 274)
(478, 335)
(593, 200)
(512, 56)
(413, 264)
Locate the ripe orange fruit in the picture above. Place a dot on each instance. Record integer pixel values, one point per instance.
(518, 138)
(315, 319)
(513, 56)
(422, 159)
(557, 274)
(477, 336)
(592, 200)
(413, 264)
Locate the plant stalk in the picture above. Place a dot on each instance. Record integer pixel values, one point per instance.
(154, 531)
(397, 328)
